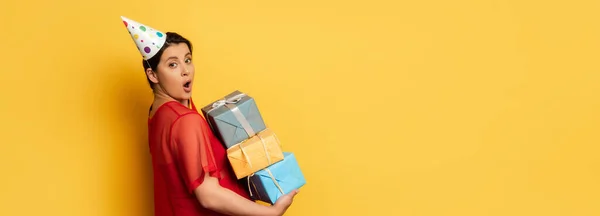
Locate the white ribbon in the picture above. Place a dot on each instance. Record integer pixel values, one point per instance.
(231, 100)
(264, 144)
(250, 189)
(272, 178)
(254, 186)
(265, 148)
(246, 155)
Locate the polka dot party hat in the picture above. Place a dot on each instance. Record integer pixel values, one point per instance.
(147, 39)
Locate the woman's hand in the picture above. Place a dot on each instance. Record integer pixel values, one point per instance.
(212, 196)
(284, 202)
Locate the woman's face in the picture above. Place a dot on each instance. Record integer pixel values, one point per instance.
(175, 74)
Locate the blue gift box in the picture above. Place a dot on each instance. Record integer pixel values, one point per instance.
(280, 178)
(234, 118)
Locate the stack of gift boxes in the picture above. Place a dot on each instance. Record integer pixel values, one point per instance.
(253, 150)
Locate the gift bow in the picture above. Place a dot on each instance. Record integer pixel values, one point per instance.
(230, 103)
(231, 100)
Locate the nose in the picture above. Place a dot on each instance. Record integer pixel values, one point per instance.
(185, 71)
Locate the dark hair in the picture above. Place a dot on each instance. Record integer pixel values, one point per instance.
(172, 38)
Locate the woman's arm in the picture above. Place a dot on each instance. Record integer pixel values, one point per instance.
(214, 197)
(194, 156)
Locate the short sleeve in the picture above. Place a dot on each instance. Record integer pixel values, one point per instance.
(192, 150)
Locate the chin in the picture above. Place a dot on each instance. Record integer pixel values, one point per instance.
(184, 96)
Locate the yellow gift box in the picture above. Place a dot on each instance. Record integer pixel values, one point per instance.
(255, 153)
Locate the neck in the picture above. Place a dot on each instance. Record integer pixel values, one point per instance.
(160, 98)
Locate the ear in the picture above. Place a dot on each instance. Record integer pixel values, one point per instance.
(152, 76)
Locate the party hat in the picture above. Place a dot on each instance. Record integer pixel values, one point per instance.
(147, 39)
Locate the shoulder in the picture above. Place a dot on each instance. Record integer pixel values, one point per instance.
(189, 127)
(182, 116)
(178, 109)
(171, 113)
(172, 109)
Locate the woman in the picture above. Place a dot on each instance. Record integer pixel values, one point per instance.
(191, 173)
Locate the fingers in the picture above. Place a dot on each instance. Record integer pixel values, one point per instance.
(293, 193)
(287, 198)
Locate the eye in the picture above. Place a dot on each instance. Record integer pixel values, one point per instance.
(173, 65)
(188, 60)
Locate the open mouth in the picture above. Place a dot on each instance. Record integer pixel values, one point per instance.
(187, 86)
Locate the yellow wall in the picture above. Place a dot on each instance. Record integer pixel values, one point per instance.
(422, 108)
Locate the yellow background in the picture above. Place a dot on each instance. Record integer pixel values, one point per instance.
(421, 108)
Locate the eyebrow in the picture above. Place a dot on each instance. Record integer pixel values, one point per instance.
(175, 57)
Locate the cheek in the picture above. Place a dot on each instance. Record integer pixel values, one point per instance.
(192, 70)
(169, 79)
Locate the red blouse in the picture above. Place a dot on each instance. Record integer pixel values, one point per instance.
(183, 150)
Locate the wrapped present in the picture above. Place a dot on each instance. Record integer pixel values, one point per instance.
(281, 178)
(255, 153)
(234, 118)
